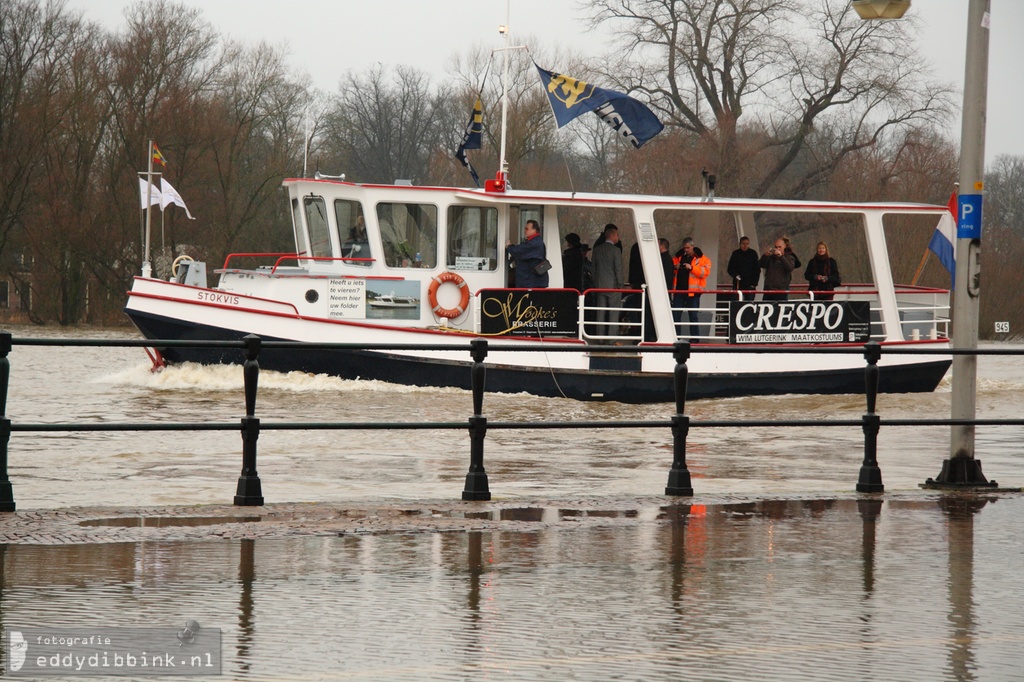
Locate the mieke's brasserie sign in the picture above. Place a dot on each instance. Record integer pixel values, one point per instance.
(799, 321)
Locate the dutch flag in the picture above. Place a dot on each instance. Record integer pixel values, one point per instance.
(944, 239)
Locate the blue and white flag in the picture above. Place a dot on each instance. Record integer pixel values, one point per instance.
(570, 98)
(472, 139)
(943, 243)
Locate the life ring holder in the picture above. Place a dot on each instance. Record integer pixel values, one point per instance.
(435, 284)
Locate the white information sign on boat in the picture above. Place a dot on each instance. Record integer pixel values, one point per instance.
(347, 299)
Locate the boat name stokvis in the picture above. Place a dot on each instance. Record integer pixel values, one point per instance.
(782, 315)
(212, 297)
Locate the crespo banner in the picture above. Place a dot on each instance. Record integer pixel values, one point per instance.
(803, 321)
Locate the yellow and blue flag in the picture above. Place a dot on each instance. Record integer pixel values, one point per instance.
(570, 98)
(472, 139)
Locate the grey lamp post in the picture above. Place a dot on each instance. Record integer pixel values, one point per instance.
(962, 470)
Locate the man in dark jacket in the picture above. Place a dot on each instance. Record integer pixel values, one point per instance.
(778, 271)
(744, 269)
(528, 255)
(608, 275)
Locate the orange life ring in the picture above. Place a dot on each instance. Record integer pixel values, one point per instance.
(435, 284)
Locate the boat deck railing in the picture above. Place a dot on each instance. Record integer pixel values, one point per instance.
(249, 487)
(924, 313)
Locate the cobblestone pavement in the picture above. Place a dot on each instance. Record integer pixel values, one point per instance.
(90, 525)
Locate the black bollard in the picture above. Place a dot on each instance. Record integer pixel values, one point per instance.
(250, 491)
(476, 480)
(679, 477)
(6, 492)
(870, 475)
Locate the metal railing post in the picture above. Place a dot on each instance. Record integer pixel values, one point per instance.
(6, 492)
(250, 492)
(476, 479)
(870, 475)
(679, 477)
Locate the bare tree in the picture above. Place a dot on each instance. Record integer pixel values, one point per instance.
(1003, 244)
(65, 225)
(252, 138)
(33, 38)
(758, 80)
(164, 66)
(385, 127)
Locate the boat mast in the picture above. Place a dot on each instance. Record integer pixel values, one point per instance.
(500, 182)
(505, 30)
(147, 268)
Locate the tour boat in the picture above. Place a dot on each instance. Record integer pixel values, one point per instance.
(441, 251)
(392, 301)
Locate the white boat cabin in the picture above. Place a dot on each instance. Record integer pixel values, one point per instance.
(434, 258)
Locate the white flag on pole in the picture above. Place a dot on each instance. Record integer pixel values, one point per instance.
(155, 197)
(171, 196)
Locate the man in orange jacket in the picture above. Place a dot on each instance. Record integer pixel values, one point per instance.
(694, 269)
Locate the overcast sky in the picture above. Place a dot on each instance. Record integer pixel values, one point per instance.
(326, 38)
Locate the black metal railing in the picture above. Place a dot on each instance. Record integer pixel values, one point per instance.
(249, 488)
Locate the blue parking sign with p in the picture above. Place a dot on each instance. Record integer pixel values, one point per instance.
(968, 223)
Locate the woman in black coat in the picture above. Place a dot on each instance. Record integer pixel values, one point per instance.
(822, 274)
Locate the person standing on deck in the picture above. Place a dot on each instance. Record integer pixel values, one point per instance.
(691, 280)
(822, 274)
(572, 263)
(744, 270)
(528, 255)
(778, 271)
(700, 269)
(607, 259)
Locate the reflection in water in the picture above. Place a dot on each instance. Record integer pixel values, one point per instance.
(809, 589)
(246, 622)
(168, 521)
(869, 509)
(961, 510)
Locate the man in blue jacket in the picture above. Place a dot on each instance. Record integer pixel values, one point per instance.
(528, 255)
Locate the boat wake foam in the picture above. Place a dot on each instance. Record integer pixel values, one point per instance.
(190, 375)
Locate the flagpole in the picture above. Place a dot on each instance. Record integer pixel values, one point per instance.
(147, 268)
(305, 145)
(503, 166)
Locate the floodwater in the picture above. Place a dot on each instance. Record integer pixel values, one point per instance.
(925, 589)
(61, 385)
(773, 571)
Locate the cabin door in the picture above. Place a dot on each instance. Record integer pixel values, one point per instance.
(518, 215)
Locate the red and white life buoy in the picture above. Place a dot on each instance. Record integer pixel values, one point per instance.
(435, 284)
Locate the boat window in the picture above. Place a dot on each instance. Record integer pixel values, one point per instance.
(523, 214)
(300, 235)
(408, 234)
(472, 238)
(352, 228)
(319, 230)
